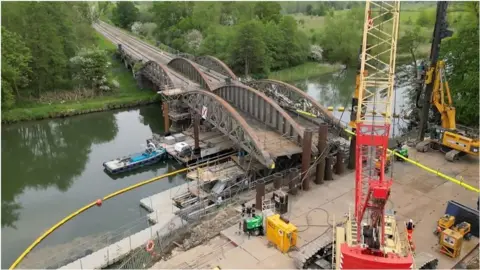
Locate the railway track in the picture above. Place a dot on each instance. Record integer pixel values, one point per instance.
(155, 53)
(141, 55)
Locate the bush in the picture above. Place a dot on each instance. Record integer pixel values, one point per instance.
(90, 69)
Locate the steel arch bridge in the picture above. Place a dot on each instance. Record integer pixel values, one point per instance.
(263, 109)
(225, 118)
(294, 99)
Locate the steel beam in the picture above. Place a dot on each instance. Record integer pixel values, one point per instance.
(322, 147)
(188, 68)
(166, 119)
(294, 99)
(196, 132)
(340, 165)
(158, 74)
(260, 188)
(306, 158)
(215, 64)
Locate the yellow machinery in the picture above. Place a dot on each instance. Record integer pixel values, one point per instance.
(448, 221)
(281, 233)
(451, 243)
(447, 135)
(464, 229)
(445, 222)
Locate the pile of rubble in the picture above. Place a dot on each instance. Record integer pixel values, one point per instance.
(210, 228)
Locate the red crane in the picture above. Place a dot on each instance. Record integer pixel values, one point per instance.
(370, 238)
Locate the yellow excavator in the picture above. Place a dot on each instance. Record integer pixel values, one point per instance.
(454, 142)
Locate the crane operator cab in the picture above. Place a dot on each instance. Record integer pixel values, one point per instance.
(370, 237)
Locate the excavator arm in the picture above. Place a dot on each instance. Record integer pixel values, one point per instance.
(440, 90)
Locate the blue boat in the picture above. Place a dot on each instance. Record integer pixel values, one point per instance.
(151, 155)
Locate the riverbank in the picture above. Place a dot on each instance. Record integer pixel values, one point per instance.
(127, 95)
(304, 71)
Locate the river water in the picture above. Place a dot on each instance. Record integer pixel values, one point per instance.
(50, 168)
(336, 90)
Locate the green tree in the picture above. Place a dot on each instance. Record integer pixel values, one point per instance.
(342, 36)
(249, 48)
(218, 42)
(16, 58)
(409, 42)
(426, 19)
(462, 58)
(309, 9)
(90, 68)
(205, 14)
(125, 14)
(296, 43)
(274, 40)
(268, 11)
(172, 19)
(53, 32)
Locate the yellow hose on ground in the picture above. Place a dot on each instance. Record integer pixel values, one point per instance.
(436, 172)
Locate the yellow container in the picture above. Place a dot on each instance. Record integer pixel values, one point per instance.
(283, 235)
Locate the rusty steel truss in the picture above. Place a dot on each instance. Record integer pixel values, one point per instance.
(191, 71)
(215, 64)
(157, 74)
(296, 100)
(226, 119)
(263, 109)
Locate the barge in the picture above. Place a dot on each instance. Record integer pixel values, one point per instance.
(151, 155)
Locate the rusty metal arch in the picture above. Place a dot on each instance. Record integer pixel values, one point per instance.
(190, 70)
(157, 74)
(293, 98)
(226, 119)
(264, 109)
(216, 64)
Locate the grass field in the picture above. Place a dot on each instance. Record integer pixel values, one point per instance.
(127, 95)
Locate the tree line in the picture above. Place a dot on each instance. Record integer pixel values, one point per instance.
(251, 37)
(47, 46)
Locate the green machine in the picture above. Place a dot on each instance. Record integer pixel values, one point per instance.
(253, 225)
(403, 151)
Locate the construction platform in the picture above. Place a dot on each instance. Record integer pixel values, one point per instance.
(416, 194)
(163, 218)
(211, 143)
(277, 145)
